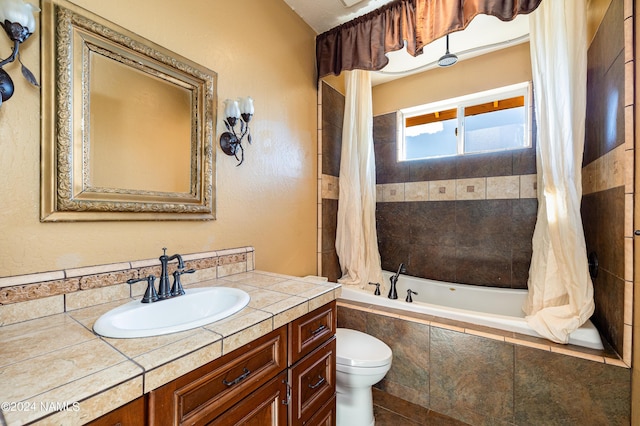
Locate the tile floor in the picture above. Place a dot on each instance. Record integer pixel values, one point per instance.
(393, 411)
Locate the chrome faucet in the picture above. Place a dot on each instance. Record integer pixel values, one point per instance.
(164, 290)
(393, 294)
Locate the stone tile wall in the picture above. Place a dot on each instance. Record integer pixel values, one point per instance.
(607, 203)
(481, 380)
(460, 219)
(332, 113)
(466, 219)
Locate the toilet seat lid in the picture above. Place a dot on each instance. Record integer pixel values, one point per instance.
(358, 349)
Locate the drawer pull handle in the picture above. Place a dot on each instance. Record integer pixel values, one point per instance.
(318, 383)
(319, 329)
(244, 375)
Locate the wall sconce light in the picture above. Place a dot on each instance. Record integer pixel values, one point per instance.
(236, 111)
(16, 17)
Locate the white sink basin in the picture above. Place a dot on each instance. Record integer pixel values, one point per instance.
(199, 306)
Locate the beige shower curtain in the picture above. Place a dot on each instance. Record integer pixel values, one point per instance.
(356, 237)
(560, 290)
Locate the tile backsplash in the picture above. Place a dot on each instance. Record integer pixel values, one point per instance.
(25, 297)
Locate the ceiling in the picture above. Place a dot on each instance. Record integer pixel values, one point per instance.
(484, 34)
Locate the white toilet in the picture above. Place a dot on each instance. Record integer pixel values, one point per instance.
(361, 362)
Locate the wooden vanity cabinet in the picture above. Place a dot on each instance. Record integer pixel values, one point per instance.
(286, 377)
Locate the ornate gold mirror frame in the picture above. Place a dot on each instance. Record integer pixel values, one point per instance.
(127, 126)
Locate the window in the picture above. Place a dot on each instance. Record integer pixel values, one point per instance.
(495, 120)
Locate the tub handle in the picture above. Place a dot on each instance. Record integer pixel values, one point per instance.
(377, 291)
(409, 298)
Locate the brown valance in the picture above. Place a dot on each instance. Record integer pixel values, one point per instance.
(363, 42)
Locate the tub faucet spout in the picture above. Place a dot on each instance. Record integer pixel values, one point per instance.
(393, 294)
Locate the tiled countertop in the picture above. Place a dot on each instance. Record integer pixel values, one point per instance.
(56, 370)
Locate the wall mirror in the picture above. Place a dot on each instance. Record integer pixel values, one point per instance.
(127, 126)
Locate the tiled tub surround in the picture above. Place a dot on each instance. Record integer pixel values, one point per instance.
(330, 123)
(608, 173)
(483, 376)
(57, 359)
(466, 219)
(470, 231)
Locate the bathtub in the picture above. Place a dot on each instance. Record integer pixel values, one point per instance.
(487, 306)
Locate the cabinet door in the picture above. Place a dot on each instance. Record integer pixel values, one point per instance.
(312, 383)
(131, 414)
(264, 407)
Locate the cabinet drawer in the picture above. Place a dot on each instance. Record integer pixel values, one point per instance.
(205, 393)
(264, 407)
(311, 330)
(313, 383)
(326, 416)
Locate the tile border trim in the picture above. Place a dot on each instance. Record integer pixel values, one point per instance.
(31, 287)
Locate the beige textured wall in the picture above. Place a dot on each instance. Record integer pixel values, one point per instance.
(507, 66)
(258, 48)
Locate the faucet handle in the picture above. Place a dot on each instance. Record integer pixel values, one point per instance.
(377, 291)
(409, 298)
(150, 294)
(176, 288)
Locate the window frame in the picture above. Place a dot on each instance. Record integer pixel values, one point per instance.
(461, 102)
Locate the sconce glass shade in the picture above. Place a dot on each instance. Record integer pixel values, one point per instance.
(17, 19)
(246, 105)
(231, 109)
